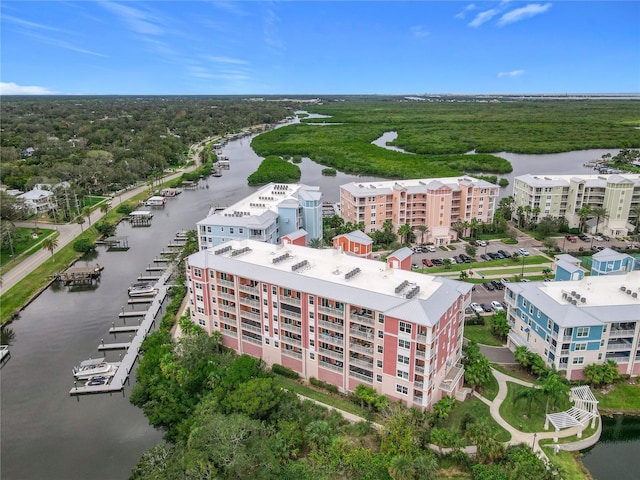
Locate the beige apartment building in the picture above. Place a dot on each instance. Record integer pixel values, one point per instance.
(564, 195)
(331, 315)
(433, 202)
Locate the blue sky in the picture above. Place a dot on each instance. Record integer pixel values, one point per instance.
(323, 47)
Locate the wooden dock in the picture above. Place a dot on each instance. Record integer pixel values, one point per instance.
(139, 300)
(133, 314)
(113, 346)
(155, 269)
(148, 278)
(80, 275)
(124, 329)
(161, 260)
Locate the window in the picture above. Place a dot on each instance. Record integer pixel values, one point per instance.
(549, 324)
(273, 290)
(380, 318)
(403, 359)
(310, 300)
(241, 230)
(578, 360)
(405, 327)
(531, 309)
(276, 344)
(580, 347)
(402, 389)
(198, 286)
(312, 343)
(402, 374)
(380, 349)
(582, 332)
(275, 331)
(231, 230)
(200, 310)
(311, 329)
(380, 334)
(379, 363)
(266, 340)
(404, 344)
(197, 272)
(201, 322)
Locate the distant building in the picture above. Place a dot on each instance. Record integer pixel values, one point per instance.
(356, 243)
(298, 237)
(433, 202)
(564, 195)
(608, 261)
(572, 324)
(401, 259)
(274, 211)
(336, 317)
(38, 201)
(567, 267)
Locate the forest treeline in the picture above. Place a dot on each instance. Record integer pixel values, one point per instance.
(102, 144)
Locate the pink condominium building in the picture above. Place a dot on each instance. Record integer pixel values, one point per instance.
(333, 316)
(433, 202)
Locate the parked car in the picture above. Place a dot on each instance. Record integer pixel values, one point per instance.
(597, 248)
(430, 248)
(606, 238)
(415, 266)
(524, 252)
(497, 284)
(485, 257)
(453, 260)
(489, 286)
(598, 238)
(505, 281)
(427, 263)
(494, 256)
(476, 308)
(482, 243)
(504, 253)
(438, 262)
(474, 243)
(486, 308)
(571, 238)
(497, 306)
(583, 237)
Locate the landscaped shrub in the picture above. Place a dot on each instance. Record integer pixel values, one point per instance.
(284, 371)
(327, 386)
(329, 172)
(477, 320)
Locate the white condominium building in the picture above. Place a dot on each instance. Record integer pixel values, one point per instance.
(433, 202)
(333, 316)
(564, 195)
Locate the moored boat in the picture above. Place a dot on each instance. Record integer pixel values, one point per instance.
(93, 367)
(141, 289)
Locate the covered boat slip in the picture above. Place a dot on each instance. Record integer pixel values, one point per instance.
(80, 275)
(140, 218)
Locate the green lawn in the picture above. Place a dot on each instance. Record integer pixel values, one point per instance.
(569, 464)
(22, 246)
(336, 401)
(530, 260)
(517, 413)
(481, 334)
(490, 389)
(478, 410)
(622, 397)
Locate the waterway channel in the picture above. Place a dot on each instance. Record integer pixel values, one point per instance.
(45, 433)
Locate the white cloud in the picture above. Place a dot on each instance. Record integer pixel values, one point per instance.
(217, 59)
(468, 8)
(10, 88)
(30, 25)
(136, 19)
(524, 12)
(484, 17)
(511, 74)
(418, 32)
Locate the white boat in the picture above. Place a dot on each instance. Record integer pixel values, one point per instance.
(141, 290)
(93, 367)
(4, 353)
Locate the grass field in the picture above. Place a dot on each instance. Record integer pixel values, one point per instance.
(481, 334)
(478, 410)
(568, 463)
(517, 413)
(23, 247)
(621, 397)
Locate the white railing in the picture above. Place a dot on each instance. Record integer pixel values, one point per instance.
(332, 311)
(419, 385)
(246, 338)
(249, 289)
(362, 318)
(618, 347)
(331, 338)
(290, 314)
(421, 354)
(290, 300)
(231, 333)
(621, 333)
(291, 353)
(327, 352)
(419, 369)
(250, 301)
(290, 327)
(226, 296)
(361, 348)
(250, 315)
(225, 283)
(361, 333)
(291, 341)
(330, 366)
(331, 325)
(251, 328)
(227, 308)
(360, 376)
(361, 363)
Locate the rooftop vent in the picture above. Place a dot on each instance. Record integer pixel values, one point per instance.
(402, 286)
(574, 302)
(279, 259)
(623, 288)
(235, 253)
(564, 295)
(220, 251)
(634, 295)
(413, 292)
(299, 265)
(352, 273)
(628, 291)
(583, 300)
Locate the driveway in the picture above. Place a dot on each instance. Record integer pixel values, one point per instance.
(499, 355)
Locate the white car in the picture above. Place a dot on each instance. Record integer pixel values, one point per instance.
(497, 306)
(476, 308)
(524, 252)
(482, 243)
(430, 248)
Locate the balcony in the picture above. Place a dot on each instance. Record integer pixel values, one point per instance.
(338, 327)
(422, 339)
(619, 347)
(421, 354)
(290, 300)
(231, 333)
(418, 385)
(356, 347)
(614, 333)
(227, 308)
(332, 311)
(564, 353)
(362, 319)
(226, 296)
(249, 301)
(419, 369)
(291, 340)
(356, 332)
(250, 315)
(247, 338)
(367, 364)
(290, 314)
(251, 328)
(225, 283)
(327, 352)
(290, 327)
(330, 366)
(249, 289)
(452, 378)
(291, 353)
(618, 358)
(360, 376)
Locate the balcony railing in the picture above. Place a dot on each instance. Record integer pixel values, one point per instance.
(327, 352)
(251, 328)
(564, 353)
(225, 283)
(339, 327)
(249, 301)
(226, 296)
(231, 333)
(621, 333)
(249, 289)
(359, 376)
(419, 369)
(419, 385)
(362, 318)
(250, 315)
(290, 300)
(618, 359)
(227, 308)
(247, 338)
(361, 363)
(566, 338)
(291, 353)
(421, 354)
(332, 311)
(618, 347)
(290, 327)
(331, 338)
(290, 314)
(330, 366)
(356, 332)
(360, 348)
(452, 378)
(291, 341)
(421, 338)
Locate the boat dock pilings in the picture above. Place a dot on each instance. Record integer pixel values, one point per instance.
(132, 348)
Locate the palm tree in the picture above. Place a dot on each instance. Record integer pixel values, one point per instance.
(553, 387)
(474, 224)
(426, 467)
(583, 213)
(527, 394)
(387, 226)
(423, 230)
(316, 243)
(401, 468)
(105, 207)
(86, 212)
(635, 212)
(599, 212)
(50, 243)
(459, 226)
(404, 231)
(319, 433)
(520, 213)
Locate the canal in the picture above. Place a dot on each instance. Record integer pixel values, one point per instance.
(48, 434)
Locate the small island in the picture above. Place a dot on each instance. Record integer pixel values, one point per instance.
(329, 172)
(274, 169)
